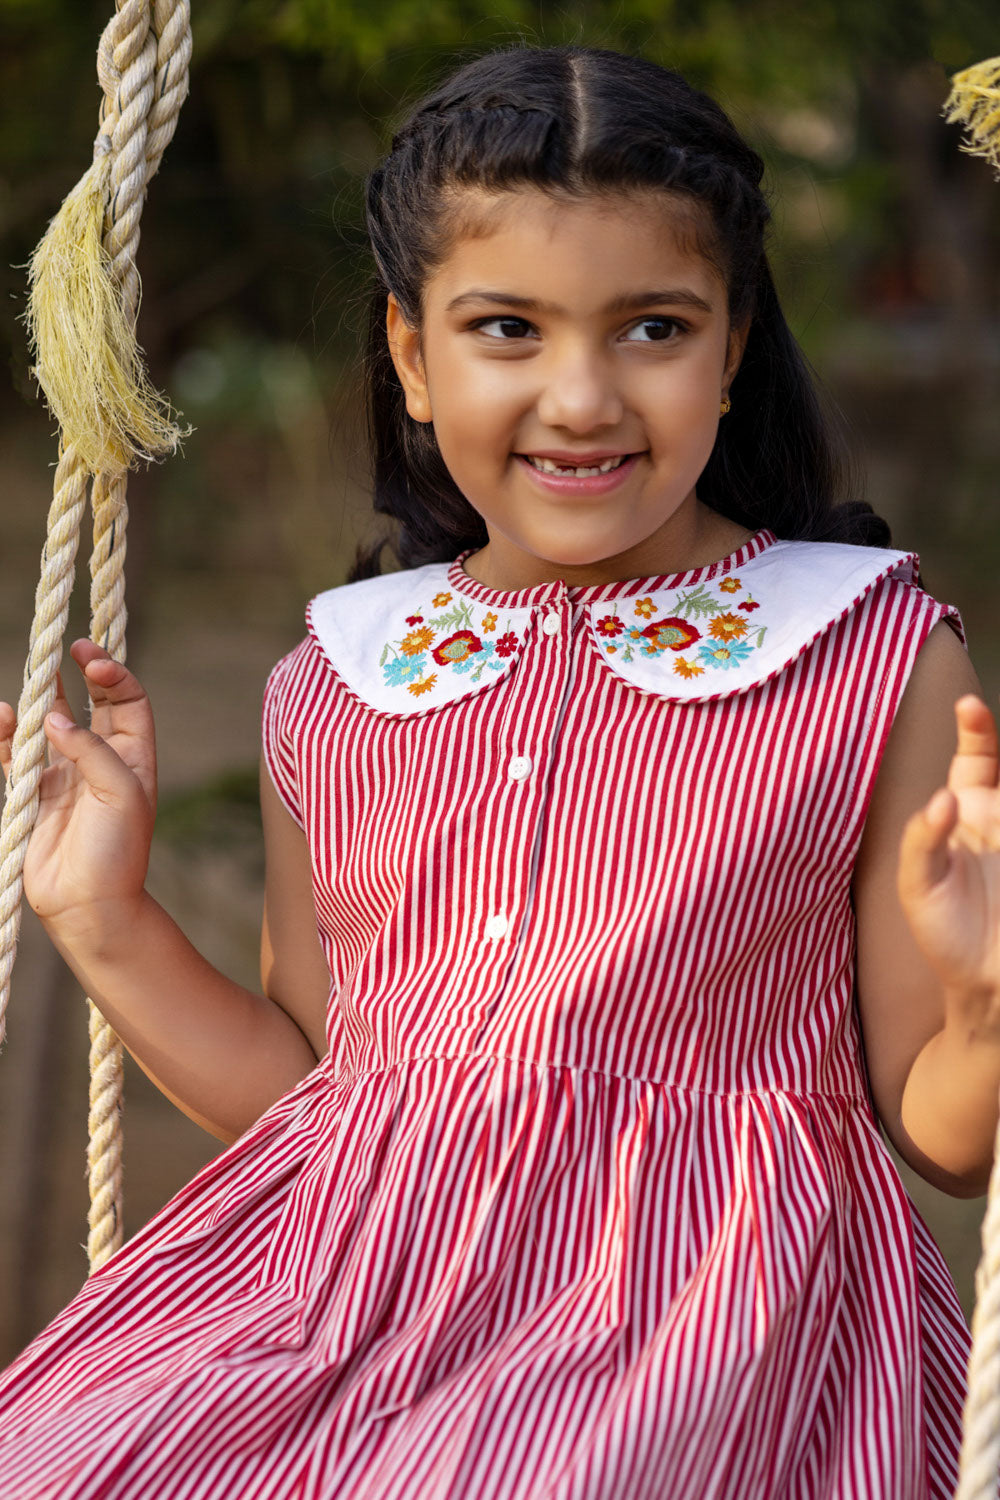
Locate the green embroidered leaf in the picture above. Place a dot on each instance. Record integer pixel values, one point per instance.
(698, 602)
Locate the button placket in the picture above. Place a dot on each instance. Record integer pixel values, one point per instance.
(508, 888)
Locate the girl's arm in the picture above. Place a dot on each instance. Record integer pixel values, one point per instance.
(221, 1052)
(930, 1004)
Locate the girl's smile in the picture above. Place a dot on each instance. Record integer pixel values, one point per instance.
(572, 358)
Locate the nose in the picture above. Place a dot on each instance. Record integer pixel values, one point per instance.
(579, 393)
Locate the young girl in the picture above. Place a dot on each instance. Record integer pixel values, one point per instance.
(631, 851)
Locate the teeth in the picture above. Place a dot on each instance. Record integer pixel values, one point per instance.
(549, 466)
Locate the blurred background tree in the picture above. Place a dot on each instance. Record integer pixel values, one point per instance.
(253, 259)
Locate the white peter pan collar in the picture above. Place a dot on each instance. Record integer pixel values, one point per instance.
(422, 638)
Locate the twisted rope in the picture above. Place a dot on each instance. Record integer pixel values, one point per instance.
(142, 65)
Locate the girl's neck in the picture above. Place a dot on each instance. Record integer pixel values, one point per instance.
(719, 538)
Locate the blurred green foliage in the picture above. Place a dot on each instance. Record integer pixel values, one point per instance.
(256, 218)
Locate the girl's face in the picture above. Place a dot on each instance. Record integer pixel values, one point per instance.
(578, 331)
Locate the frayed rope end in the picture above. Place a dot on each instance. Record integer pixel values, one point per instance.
(88, 362)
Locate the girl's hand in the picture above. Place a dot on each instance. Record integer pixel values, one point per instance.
(87, 857)
(949, 874)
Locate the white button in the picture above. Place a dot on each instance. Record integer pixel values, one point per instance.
(551, 624)
(519, 768)
(496, 927)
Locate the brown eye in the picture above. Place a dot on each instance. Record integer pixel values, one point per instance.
(663, 328)
(508, 321)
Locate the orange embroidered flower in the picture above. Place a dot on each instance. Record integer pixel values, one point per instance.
(416, 641)
(489, 623)
(730, 585)
(611, 650)
(441, 599)
(423, 686)
(727, 627)
(685, 668)
(645, 607)
(609, 625)
(673, 633)
(458, 647)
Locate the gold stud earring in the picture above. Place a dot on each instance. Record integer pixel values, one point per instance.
(726, 406)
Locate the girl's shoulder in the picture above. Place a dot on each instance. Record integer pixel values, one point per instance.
(408, 642)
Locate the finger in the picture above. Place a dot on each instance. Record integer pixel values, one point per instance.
(118, 700)
(8, 723)
(105, 773)
(924, 857)
(975, 762)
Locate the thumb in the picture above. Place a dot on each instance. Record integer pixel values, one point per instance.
(105, 773)
(924, 860)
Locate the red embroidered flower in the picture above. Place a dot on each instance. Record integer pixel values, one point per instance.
(748, 604)
(673, 633)
(610, 625)
(414, 619)
(458, 647)
(506, 644)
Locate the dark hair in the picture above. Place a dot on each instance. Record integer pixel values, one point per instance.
(576, 122)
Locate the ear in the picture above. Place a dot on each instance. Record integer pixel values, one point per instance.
(738, 335)
(404, 346)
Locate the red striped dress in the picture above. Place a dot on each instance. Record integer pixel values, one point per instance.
(588, 1200)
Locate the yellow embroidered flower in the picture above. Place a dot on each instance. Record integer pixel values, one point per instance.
(416, 641)
(489, 623)
(728, 627)
(730, 585)
(645, 607)
(441, 600)
(687, 668)
(423, 686)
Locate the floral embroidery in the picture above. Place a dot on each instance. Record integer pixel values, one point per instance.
(446, 640)
(730, 655)
(720, 640)
(687, 668)
(416, 641)
(727, 627)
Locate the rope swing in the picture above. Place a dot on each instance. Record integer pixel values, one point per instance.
(81, 316)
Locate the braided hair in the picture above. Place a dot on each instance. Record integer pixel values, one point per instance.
(582, 122)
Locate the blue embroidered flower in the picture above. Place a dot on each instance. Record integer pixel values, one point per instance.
(403, 669)
(478, 658)
(724, 654)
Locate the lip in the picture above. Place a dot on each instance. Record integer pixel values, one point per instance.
(572, 484)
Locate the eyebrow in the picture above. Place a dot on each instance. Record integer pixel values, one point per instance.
(624, 302)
